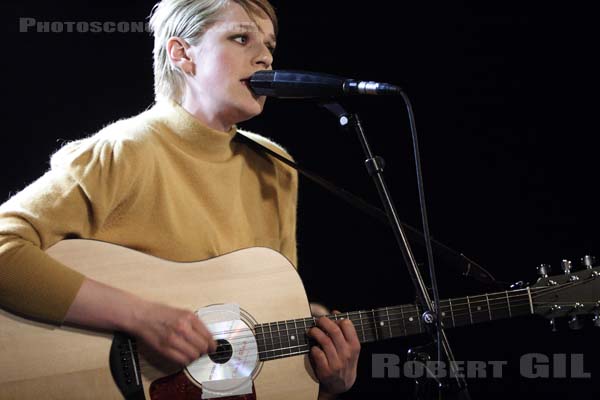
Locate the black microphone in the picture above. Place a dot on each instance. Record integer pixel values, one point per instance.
(306, 85)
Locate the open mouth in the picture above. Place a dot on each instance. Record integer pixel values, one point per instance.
(246, 82)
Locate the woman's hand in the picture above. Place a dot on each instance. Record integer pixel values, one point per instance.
(336, 359)
(174, 333)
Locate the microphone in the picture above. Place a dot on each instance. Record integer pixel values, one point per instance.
(306, 85)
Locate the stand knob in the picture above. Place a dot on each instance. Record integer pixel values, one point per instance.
(588, 261)
(575, 324)
(517, 285)
(596, 320)
(544, 270)
(566, 266)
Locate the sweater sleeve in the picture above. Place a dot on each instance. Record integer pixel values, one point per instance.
(87, 179)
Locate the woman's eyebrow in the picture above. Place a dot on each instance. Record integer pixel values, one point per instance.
(252, 27)
(245, 27)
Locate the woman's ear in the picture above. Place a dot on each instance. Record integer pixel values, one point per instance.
(179, 55)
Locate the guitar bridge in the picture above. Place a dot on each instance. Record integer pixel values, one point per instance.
(125, 366)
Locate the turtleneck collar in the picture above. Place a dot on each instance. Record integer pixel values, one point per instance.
(192, 135)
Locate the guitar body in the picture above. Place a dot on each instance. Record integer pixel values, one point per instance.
(40, 361)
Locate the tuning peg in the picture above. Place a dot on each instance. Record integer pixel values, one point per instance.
(517, 285)
(544, 270)
(588, 261)
(566, 266)
(596, 320)
(575, 323)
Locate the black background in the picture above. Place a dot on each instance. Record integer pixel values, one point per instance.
(505, 108)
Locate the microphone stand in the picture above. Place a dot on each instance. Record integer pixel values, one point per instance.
(431, 316)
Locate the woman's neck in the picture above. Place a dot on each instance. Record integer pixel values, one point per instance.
(212, 120)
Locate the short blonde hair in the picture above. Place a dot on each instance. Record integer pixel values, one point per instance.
(188, 19)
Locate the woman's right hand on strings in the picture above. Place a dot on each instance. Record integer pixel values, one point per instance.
(174, 333)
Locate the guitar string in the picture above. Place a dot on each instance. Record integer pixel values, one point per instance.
(368, 334)
(275, 331)
(368, 331)
(369, 327)
(303, 348)
(472, 301)
(408, 308)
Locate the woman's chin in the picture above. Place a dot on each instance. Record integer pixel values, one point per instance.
(253, 110)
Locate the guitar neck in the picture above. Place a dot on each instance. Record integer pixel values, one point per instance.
(288, 338)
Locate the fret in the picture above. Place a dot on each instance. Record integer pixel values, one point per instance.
(521, 302)
(470, 313)
(412, 327)
(292, 335)
(403, 321)
(300, 334)
(389, 323)
(276, 350)
(261, 345)
(376, 324)
(477, 309)
(508, 303)
(462, 312)
(307, 328)
(379, 324)
(530, 300)
(402, 318)
(372, 326)
(498, 305)
(419, 318)
(347, 316)
(284, 337)
(305, 336)
(362, 328)
(451, 313)
(487, 300)
(446, 318)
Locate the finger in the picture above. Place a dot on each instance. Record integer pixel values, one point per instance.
(320, 361)
(348, 331)
(207, 337)
(335, 333)
(351, 336)
(327, 345)
(177, 342)
(190, 339)
(197, 341)
(199, 326)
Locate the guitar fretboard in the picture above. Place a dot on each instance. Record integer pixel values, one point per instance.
(288, 338)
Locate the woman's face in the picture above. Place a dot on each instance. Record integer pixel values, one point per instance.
(230, 51)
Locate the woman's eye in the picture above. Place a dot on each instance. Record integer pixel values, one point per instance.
(241, 39)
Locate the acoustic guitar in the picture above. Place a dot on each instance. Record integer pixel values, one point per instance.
(254, 303)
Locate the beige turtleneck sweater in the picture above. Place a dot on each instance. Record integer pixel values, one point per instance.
(161, 183)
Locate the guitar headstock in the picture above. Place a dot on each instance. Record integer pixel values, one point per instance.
(571, 294)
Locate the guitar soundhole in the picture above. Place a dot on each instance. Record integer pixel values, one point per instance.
(223, 353)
